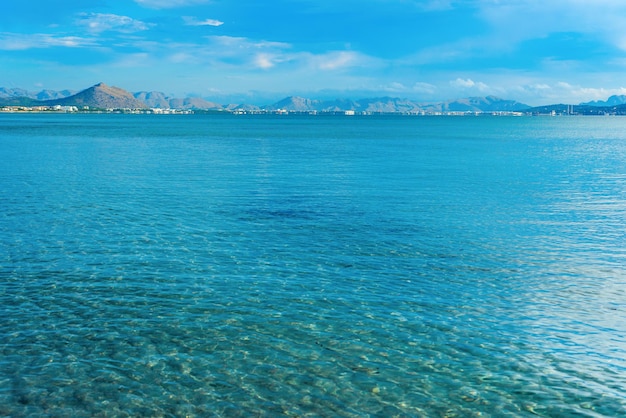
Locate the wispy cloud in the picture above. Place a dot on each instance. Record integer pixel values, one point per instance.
(448, 52)
(243, 43)
(236, 53)
(336, 60)
(530, 19)
(19, 41)
(101, 22)
(527, 32)
(435, 5)
(402, 88)
(425, 88)
(245, 54)
(169, 4)
(193, 21)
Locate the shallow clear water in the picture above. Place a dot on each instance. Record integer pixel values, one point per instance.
(312, 266)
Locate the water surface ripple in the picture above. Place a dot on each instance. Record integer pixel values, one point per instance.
(312, 266)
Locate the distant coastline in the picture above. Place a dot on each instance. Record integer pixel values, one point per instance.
(102, 98)
(156, 111)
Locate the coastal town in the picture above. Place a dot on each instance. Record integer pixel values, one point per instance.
(548, 111)
(87, 109)
(102, 98)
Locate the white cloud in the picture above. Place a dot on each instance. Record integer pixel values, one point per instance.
(468, 84)
(394, 87)
(192, 21)
(459, 82)
(168, 4)
(264, 61)
(540, 87)
(101, 22)
(18, 41)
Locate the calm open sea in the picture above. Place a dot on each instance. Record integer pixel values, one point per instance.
(312, 266)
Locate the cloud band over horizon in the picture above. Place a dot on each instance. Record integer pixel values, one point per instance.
(531, 51)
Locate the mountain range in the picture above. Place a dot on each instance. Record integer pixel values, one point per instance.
(42, 95)
(611, 101)
(103, 96)
(98, 96)
(396, 105)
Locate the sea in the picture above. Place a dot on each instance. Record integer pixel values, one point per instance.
(312, 266)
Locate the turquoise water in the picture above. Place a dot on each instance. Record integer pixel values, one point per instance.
(312, 266)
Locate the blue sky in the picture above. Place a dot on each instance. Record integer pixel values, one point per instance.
(534, 51)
